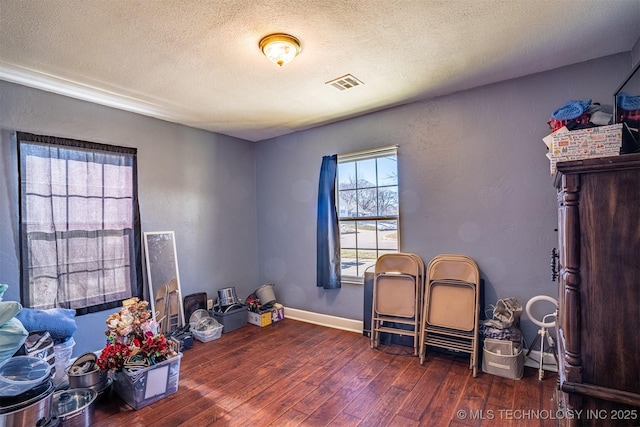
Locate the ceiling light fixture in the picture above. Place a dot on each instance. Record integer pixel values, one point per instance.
(280, 48)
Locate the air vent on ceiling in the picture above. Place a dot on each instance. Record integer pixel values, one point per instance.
(345, 82)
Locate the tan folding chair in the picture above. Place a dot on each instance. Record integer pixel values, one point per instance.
(167, 306)
(397, 296)
(451, 306)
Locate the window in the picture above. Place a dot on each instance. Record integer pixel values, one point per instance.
(367, 209)
(79, 224)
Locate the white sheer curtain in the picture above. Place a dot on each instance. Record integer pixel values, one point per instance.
(79, 217)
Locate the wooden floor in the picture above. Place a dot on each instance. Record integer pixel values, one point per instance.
(298, 374)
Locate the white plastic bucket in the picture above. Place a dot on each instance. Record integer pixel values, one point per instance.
(265, 294)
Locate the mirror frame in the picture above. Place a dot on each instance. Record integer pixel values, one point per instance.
(632, 78)
(166, 255)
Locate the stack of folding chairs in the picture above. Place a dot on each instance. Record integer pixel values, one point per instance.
(451, 306)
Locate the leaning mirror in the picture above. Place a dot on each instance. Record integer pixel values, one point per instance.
(164, 280)
(627, 111)
(627, 99)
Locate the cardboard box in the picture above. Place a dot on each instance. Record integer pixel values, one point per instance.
(260, 319)
(277, 313)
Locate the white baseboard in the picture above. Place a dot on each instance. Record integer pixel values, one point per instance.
(327, 320)
(533, 361)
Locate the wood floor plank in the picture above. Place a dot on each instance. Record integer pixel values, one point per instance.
(298, 374)
(386, 408)
(291, 418)
(501, 392)
(272, 402)
(409, 377)
(344, 350)
(349, 381)
(366, 399)
(345, 420)
(331, 408)
(425, 389)
(442, 407)
(314, 399)
(473, 400)
(400, 421)
(278, 406)
(527, 402)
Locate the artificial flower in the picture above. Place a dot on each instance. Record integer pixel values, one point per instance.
(132, 332)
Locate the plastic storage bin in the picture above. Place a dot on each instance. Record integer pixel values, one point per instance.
(148, 385)
(233, 319)
(209, 334)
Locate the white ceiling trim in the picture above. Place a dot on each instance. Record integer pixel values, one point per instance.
(83, 92)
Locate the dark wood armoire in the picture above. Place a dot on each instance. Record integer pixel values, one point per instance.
(598, 325)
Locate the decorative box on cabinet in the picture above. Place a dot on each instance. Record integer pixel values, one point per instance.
(598, 323)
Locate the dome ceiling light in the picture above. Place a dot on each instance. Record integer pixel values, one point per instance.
(280, 48)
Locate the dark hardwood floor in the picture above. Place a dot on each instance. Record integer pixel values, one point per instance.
(293, 373)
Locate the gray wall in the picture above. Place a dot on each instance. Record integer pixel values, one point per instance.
(196, 183)
(473, 176)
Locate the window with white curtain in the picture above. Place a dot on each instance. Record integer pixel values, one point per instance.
(368, 209)
(79, 224)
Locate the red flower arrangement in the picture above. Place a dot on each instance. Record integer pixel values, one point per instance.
(133, 339)
(113, 357)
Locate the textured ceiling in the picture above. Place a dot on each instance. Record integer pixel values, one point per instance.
(197, 62)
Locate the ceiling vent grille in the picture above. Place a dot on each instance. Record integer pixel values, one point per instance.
(345, 82)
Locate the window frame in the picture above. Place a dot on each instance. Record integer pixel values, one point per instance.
(131, 235)
(355, 157)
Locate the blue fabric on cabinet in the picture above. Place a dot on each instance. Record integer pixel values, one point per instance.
(328, 232)
(571, 110)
